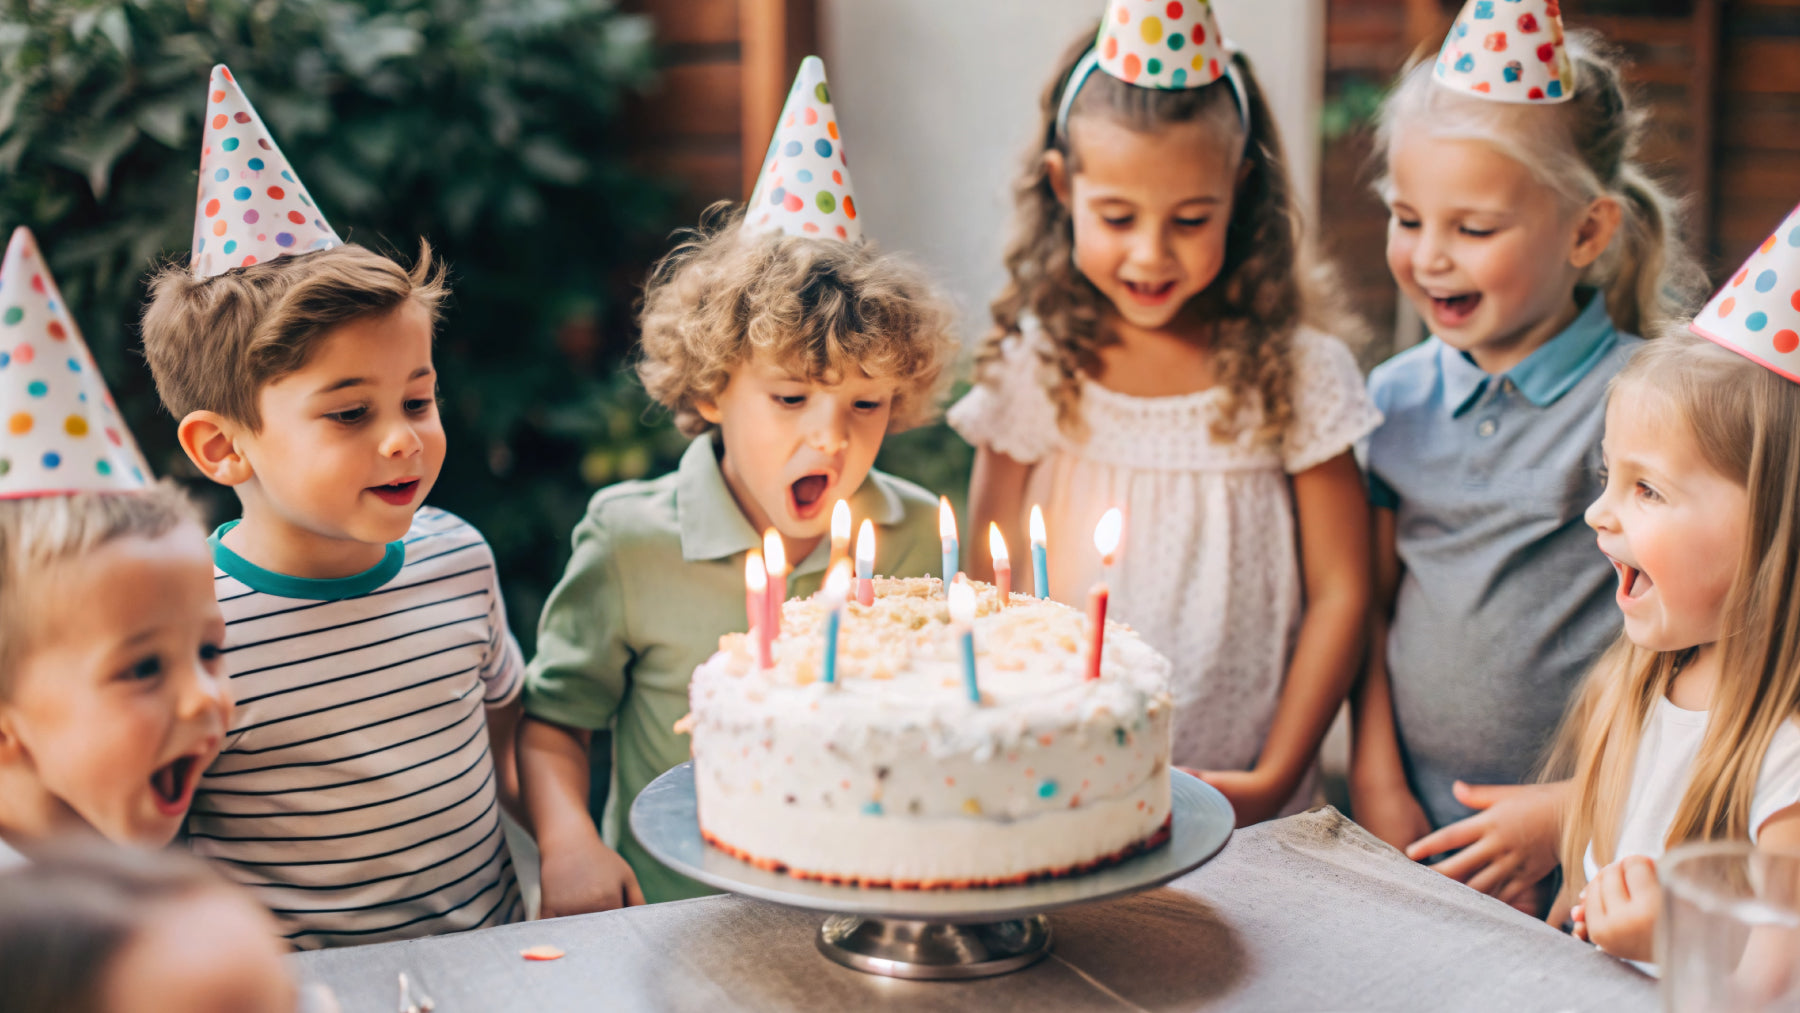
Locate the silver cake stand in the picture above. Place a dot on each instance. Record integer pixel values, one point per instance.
(935, 934)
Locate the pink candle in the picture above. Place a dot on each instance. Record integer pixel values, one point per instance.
(865, 563)
(1106, 539)
(756, 594)
(1002, 563)
(775, 559)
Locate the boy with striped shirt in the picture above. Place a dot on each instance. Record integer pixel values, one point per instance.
(358, 791)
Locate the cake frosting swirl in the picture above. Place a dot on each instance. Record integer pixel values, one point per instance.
(892, 776)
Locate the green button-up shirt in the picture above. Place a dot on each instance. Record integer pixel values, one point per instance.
(656, 578)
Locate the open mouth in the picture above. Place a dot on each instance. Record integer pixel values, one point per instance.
(1634, 583)
(808, 495)
(397, 493)
(1453, 310)
(1150, 294)
(173, 784)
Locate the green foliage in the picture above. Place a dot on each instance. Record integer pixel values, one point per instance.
(490, 127)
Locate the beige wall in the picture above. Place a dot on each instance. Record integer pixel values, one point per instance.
(937, 99)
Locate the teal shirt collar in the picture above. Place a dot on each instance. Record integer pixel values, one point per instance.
(713, 527)
(1547, 373)
(282, 585)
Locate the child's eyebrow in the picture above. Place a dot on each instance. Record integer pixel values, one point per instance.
(359, 381)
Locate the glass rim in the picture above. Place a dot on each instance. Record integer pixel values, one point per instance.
(1670, 870)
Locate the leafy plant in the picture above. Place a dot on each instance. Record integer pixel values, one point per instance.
(490, 127)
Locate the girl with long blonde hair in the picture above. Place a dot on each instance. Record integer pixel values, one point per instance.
(1157, 349)
(1689, 727)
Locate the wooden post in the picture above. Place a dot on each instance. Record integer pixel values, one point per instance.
(762, 41)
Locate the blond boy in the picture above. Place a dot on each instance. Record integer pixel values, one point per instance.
(788, 360)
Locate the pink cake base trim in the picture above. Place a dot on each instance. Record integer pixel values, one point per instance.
(1155, 840)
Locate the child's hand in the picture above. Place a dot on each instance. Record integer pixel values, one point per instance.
(1391, 814)
(1254, 797)
(1506, 849)
(585, 876)
(1618, 909)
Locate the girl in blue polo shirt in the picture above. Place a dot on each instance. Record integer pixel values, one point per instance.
(1525, 233)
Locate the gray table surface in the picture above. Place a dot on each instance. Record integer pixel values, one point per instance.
(1306, 913)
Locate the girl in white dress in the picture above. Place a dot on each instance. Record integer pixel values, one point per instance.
(1689, 728)
(1153, 352)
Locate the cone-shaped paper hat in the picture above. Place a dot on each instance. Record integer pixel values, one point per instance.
(1508, 51)
(804, 188)
(1757, 313)
(251, 206)
(63, 434)
(1157, 44)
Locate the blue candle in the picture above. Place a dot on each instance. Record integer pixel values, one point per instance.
(1040, 557)
(962, 613)
(947, 531)
(835, 593)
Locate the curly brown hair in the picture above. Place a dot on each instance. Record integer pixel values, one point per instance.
(1266, 288)
(819, 307)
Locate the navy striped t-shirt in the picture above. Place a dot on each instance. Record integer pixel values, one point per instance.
(355, 794)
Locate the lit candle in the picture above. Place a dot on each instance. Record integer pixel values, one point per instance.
(962, 613)
(1002, 563)
(756, 592)
(1040, 560)
(840, 534)
(947, 531)
(1106, 539)
(837, 590)
(865, 563)
(775, 558)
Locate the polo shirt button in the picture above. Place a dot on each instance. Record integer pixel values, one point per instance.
(1488, 427)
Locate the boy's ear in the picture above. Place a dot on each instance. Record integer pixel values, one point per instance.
(1594, 233)
(709, 410)
(210, 441)
(1057, 168)
(12, 747)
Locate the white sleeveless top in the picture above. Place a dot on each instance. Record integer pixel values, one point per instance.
(1209, 572)
(1660, 777)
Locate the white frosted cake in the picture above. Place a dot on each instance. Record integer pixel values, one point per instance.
(891, 775)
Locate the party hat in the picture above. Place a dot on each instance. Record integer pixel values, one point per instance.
(1154, 44)
(1508, 51)
(252, 207)
(804, 187)
(1757, 313)
(63, 433)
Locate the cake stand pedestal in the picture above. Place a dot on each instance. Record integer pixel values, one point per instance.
(930, 934)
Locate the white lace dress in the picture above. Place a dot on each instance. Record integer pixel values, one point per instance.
(1209, 572)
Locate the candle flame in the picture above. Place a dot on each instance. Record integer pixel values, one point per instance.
(962, 601)
(756, 578)
(946, 518)
(837, 584)
(997, 544)
(840, 523)
(865, 543)
(1037, 525)
(1107, 532)
(774, 553)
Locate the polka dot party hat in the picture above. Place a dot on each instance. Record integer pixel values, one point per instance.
(1157, 44)
(804, 188)
(1757, 313)
(252, 208)
(63, 434)
(1508, 51)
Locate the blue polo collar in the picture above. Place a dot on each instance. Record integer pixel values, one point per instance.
(1546, 374)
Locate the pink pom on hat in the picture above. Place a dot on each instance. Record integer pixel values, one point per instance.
(1757, 313)
(61, 430)
(1508, 51)
(251, 206)
(804, 187)
(1167, 44)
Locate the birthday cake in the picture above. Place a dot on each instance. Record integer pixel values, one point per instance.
(892, 776)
